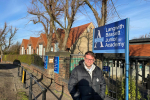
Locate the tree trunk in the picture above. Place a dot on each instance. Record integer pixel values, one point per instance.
(104, 13)
(65, 40)
(48, 48)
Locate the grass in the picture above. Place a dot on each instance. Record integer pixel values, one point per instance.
(21, 95)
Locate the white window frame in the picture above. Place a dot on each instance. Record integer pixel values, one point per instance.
(29, 50)
(52, 49)
(22, 50)
(40, 49)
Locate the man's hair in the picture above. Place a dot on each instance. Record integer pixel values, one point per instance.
(90, 53)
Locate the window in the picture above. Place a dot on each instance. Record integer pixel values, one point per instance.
(40, 49)
(52, 49)
(22, 50)
(29, 50)
(56, 47)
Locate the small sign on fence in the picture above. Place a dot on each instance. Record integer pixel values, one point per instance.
(106, 68)
(45, 61)
(56, 64)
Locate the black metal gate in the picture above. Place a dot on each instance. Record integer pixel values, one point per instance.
(113, 67)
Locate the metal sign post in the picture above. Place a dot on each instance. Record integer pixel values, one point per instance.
(127, 58)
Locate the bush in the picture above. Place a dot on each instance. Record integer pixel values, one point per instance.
(132, 90)
(28, 59)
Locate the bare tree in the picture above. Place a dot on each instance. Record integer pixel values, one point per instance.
(13, 49)
(42, 17)
(56, 10)
(100, 16)
(6, 37)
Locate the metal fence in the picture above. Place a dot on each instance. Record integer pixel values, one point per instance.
(114, 74)
(22, 73)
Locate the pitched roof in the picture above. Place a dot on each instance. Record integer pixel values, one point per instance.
(139, 50)
(44, 38)
(25, 42)
(34, 41)
(73, 35)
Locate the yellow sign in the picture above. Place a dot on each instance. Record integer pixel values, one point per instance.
(23, 76)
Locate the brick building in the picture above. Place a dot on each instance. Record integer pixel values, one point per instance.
(79, 41)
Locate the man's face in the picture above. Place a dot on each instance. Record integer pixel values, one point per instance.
(89, 60)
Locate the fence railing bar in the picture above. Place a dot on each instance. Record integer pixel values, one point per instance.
(33, 79)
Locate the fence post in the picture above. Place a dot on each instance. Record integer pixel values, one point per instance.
(21, 72)
(24, 79)
(136, 66)
(44, 94)
(30, 88)
(18, 70)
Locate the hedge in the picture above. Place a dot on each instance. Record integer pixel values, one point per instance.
(28, 59)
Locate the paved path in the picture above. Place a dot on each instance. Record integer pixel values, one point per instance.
(10, 84)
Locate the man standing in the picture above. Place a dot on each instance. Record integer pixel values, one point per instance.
(86, 81)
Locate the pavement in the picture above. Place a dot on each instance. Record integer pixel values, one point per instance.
(10, 84)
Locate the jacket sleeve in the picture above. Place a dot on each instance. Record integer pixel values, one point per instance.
(72, 85)
(102, 85)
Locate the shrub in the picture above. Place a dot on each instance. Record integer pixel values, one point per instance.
(132, 90)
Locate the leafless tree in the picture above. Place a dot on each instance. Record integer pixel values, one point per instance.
(100, 16)
(103, 10)
(13, 49)
(6, 36)
(53, 12)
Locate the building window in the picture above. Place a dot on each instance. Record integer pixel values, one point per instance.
(40, 49)
(22, 50)
(29, 50)
(52, 49)
(56, 47)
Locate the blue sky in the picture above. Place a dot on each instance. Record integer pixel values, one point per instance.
(14, 12)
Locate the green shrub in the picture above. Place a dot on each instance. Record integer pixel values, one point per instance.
(28, 59)
(132, 90)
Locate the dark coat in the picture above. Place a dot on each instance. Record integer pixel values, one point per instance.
(82, 87)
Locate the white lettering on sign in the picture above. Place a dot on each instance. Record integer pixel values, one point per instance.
(100, 40)
(115, 28)
(115, 44)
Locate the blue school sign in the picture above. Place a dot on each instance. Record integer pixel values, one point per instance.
(110, 38)
(45, 61)
(114, 38)
(56, 64)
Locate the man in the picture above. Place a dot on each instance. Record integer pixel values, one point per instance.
(86, 81)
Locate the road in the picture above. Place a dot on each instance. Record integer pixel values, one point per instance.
(7, 86)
